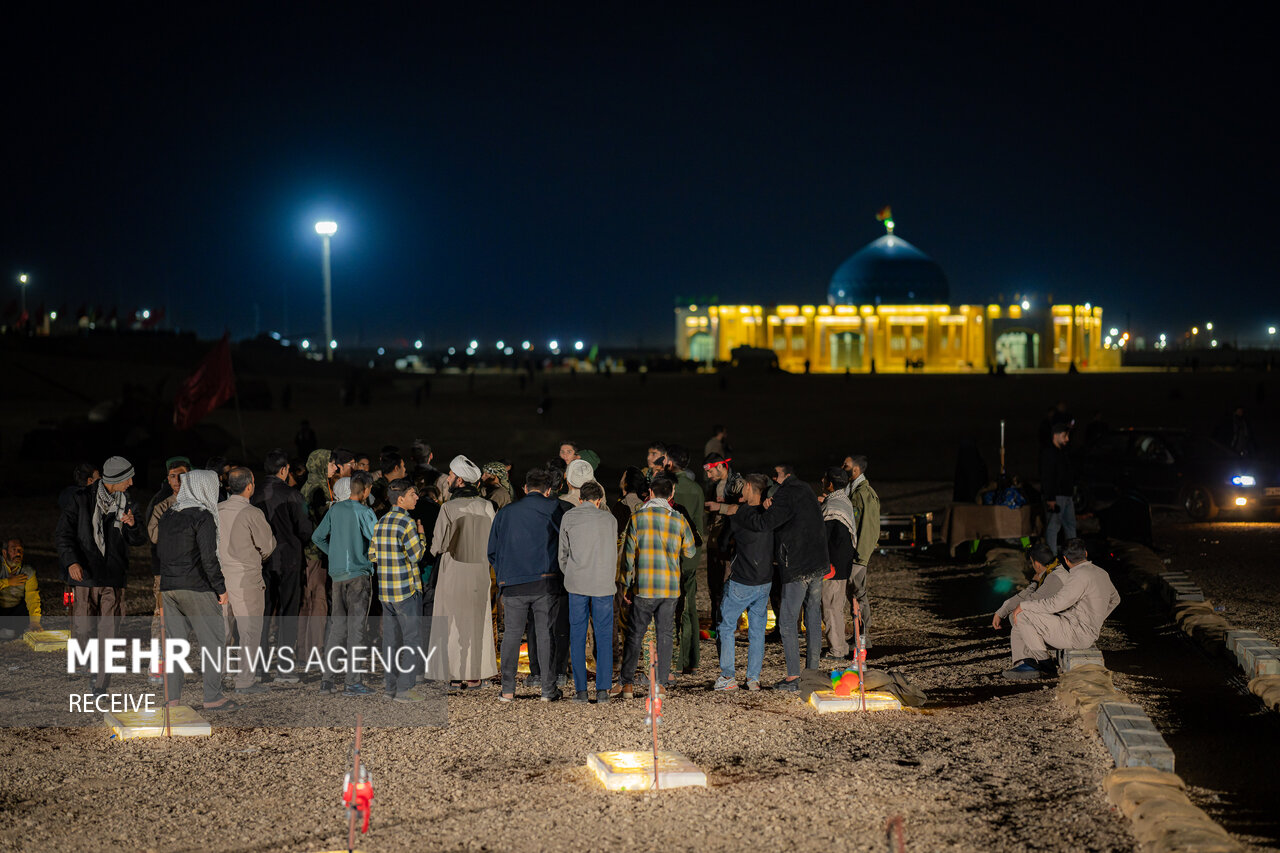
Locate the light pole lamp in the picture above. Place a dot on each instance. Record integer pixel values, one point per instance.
(327, 230)
(23, 278)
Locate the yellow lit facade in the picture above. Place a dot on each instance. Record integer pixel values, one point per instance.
(899, 338)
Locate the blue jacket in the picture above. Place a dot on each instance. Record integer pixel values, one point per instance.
(344, 534)
(525, 539)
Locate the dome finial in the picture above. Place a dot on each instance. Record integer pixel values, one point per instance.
(886, 216)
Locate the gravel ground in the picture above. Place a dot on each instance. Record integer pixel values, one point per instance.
(988, 766)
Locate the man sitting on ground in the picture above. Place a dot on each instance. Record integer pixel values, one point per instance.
(1049, 576)
(1069, 619)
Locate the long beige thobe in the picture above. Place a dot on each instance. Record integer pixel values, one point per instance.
(461, 645)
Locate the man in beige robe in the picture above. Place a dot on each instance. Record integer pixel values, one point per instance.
(461, 647)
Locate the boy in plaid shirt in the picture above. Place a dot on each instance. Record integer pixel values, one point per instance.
(657, 536)
(395, 550)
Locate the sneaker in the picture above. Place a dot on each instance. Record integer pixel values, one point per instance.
(410, 696)
(326, 687)
(356, 690)
(581, 698)
(723, 684)
(753, 684)
(257, 687)
(552, 697)
(287, 677)
(792, 686)
(1026, 670)
(622, 691)
(505, 697)
(832, 657)
(603, 696)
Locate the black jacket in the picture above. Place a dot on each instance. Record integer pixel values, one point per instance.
(752, 550)
(188, 552)
(840, 550)
(287, 514)
(74, 538)
(800, 540)
(1056, 476)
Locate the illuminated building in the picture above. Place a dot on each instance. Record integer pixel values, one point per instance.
(888, 311)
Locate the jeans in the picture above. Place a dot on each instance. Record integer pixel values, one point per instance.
(600, 609)
(518, 612)
(1064, 519)
(402, 622)
(644, 611)
(186, 610)
(347, 615)
(754, 601)
(806, 592)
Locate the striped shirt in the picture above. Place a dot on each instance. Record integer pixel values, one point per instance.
(657, 536)
(396, 549)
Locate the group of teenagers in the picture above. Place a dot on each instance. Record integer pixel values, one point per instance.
(292, 573)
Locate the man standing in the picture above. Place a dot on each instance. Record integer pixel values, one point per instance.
(522, 550)
(1057, 484)
(747, 590)
(589, 561)
(866, 514)
(655, 460)
(313, 610)
(1071, 618)
(718, 472)
(192, 585)
(657, 538)
(245, 540)
(19, 594)
(689, 496)
(842, 541)
(175, 467)
(291, 526)
(718, 443)
(461, 644)
(800, 549)
(344, 536)
(395, 550)
(93, 537)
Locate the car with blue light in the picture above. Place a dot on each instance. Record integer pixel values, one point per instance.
(1174, 467)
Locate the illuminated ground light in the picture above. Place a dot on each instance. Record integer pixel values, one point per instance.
(47, 641)
(183, 722)
(633, 771)
(1242, 501)
(827, 702)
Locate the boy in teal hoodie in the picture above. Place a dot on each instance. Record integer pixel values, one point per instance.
(344, 535)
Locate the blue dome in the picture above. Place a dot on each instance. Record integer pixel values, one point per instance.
(889, 271)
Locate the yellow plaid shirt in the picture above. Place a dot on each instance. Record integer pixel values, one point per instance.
(656, 537)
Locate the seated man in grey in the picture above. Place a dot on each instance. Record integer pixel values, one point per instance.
(1048, 577)
(1071, 618)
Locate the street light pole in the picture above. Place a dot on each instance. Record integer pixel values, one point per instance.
(22, 288)
(327, 230)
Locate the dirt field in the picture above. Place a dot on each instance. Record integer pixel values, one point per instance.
(989, 766)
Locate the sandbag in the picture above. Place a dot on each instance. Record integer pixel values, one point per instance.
(1153, 831)
(1195, 841)
(1158, 811)
(1122, 776)
(1136, 793)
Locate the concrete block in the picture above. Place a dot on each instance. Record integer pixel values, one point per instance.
(1142, 748)
(633, 771)
(1245, 645)
(1236, 634)
(1115, 718)
(1260, 660)
(1068, 659)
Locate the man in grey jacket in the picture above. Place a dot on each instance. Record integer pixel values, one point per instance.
(589, 561)
(1069, 619)
(245, 541)
(1049, 577)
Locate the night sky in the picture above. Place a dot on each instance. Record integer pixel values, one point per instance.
(538, 171)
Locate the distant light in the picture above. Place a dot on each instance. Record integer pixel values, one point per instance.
(1107, 340)
(275, 336)
(888, 223)
(1026, 305)
(22, 279)
(382, 351)
(1162, 336)
(417, 344)
(1088, 307)
(284, 342)
(554, 344)
(1209, 326)
(474, 344)
(508, 351)
(53, 315)
(525, 345)
(1271, 330)
(306, 344)
(1114, 331)
(1242, 501)
(333, 344)
(471, 350)
(501, 345)
(328, 229)
(146, 314)
(452, 351)
(1243, 480)
(1195, 330)
(577, 345)
(1213, 343)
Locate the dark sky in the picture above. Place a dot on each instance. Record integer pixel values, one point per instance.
(538, 170)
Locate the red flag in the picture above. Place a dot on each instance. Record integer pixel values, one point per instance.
(212, 384)
(885, 213)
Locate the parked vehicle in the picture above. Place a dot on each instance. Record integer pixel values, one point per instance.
(1175, 468)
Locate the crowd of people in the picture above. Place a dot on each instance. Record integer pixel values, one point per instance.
(291, 575)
